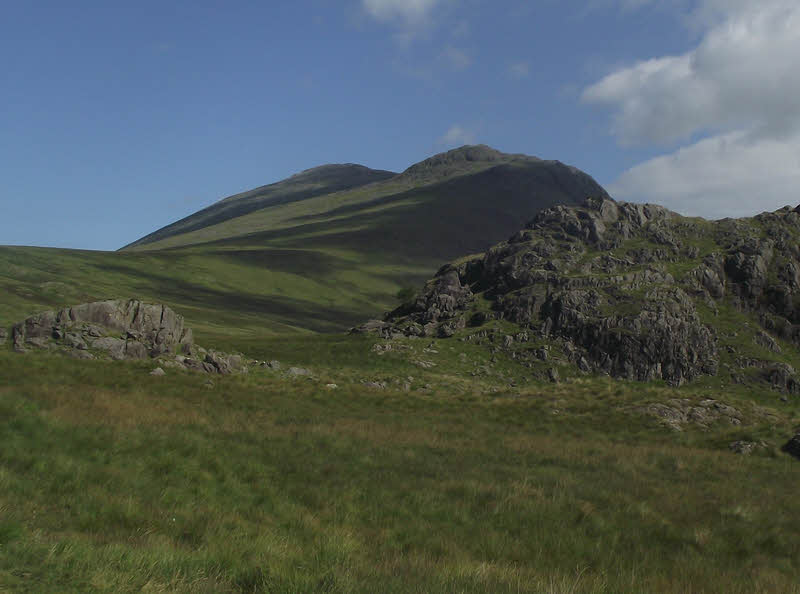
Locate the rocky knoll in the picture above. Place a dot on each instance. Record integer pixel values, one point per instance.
(119, 330)
(630, 290)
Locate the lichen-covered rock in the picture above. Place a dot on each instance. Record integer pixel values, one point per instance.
(122, 330)
(125, 329)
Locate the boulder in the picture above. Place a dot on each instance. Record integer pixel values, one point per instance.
(124, 329)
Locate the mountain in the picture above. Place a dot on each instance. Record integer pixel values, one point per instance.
(320, 251)
(629, 290)
(306, 184)
(463, 200)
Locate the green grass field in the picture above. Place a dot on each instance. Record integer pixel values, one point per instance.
(113, 480)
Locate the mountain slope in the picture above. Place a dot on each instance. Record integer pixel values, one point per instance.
(307, 184)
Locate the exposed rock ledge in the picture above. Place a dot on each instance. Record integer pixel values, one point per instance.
(119, 330)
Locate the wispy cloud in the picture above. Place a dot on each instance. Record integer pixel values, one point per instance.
(407, 11)
(456, 136)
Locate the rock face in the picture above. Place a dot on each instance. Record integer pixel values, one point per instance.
(120, 330)
(125, 329)
(629, 290)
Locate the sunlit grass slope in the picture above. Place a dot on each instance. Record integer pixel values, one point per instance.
(225, 293)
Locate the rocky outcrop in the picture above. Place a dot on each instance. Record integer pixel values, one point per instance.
(124, 329)
(120, 330)
(625, 289)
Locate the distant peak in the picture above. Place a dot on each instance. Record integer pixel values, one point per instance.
(460, 160)
(329, 169)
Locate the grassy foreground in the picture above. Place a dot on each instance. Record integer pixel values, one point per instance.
(113, 480)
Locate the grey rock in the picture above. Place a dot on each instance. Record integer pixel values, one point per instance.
(75, 341)
(195, 365)
(75, 354)
(298, 372)
(764, 340)
(158, 372)
(135, 350)
(218, 362)
(94, 331)
(782, 377)
(148, 329)
(114, 346)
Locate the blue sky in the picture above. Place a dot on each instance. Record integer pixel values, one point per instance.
(118, 118)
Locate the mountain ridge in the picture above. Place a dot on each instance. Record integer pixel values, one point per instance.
(519, 186)
(300, 186)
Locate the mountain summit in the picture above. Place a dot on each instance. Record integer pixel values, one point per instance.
(458, 201)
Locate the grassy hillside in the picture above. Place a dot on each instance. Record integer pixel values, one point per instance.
(226, 294)
(307, 184)
(113, 480)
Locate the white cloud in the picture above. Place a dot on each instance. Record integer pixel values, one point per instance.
(743, 73)
(739, 89)
(730, 174)
(519, 70)
(410, 11)
(457, 136)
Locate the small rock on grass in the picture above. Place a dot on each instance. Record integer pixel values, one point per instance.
(158, 372)
(746, 447)
(331, 386)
